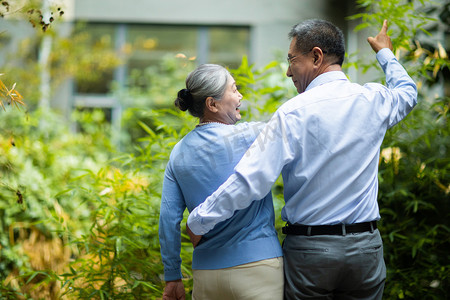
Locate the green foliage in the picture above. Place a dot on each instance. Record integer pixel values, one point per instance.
(413, 29)
(10, 96)
(414, 206)
(118, 257)
(38, 162)
(406, 18)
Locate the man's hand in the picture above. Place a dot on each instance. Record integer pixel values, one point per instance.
(382, 40)
(195, 239)
(174, 290)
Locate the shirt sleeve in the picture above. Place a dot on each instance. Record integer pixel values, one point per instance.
(252, 179)
(171, 215)
(401, 88)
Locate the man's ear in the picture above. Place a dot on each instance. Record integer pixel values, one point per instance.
(210, 104)
(317, 55)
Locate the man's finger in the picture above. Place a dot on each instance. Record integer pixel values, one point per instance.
(385, 27)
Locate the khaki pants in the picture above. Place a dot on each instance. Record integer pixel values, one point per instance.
(257, 280)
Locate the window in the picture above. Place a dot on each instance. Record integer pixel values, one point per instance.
(148, 45)
(228, 45)
(100, 36)
(143, 45)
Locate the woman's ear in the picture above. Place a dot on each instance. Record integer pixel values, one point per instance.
(210, 104)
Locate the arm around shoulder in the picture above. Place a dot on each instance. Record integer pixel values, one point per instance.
(253, 177)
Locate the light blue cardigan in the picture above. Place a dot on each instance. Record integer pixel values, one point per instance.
(198, 165)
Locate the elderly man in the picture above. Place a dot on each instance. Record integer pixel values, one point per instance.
(326, 144)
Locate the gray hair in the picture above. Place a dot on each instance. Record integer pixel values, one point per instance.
(207, 80)
(319, 33)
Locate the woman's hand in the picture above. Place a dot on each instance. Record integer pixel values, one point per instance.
(195, 239)
(174, 290)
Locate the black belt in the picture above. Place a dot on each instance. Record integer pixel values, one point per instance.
(340, 229)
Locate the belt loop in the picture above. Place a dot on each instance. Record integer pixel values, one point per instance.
(308, 233)
(344, 232)
(371, 227)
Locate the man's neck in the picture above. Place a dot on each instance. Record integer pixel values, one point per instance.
(331, 68)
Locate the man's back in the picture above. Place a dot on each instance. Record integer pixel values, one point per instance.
(338, 131)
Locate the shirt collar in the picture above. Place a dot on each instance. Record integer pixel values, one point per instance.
(326, 77)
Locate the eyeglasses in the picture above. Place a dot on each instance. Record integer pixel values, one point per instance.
(291, 58)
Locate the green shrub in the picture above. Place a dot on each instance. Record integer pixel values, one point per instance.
(38, 162)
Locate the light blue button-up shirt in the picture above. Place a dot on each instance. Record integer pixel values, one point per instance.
(326, 144)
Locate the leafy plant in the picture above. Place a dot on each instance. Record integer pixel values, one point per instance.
(10, 96)
(37, 164)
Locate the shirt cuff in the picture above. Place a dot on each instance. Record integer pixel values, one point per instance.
(384, 55)
(194, 222)
(171, 275)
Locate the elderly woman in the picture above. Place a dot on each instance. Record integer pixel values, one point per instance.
(241, 257)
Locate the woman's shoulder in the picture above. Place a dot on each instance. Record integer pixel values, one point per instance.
(178, 147)
(243, 133)
(250, 126)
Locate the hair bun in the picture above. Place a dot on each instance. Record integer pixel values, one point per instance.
(184, 99)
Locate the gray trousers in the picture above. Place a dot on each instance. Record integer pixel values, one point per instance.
(334, 266)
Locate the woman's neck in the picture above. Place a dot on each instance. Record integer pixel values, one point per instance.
(205, 121)
(210, 120)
